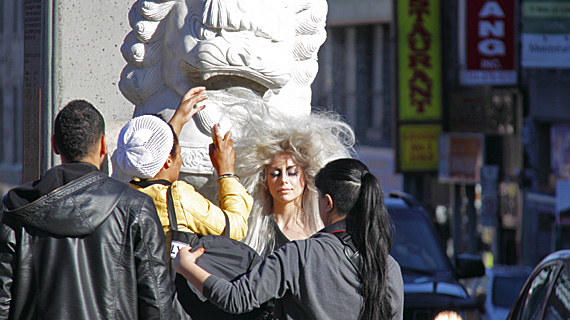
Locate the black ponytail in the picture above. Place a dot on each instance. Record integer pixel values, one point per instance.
(357, 194)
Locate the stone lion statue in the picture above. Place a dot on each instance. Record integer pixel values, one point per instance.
(251, 55)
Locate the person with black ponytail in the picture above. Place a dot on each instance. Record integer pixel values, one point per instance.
(354, 195)
(343, 271)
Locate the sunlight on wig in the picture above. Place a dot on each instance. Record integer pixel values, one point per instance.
(312, 141)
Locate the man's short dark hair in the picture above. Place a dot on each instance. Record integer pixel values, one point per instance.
(77, 130)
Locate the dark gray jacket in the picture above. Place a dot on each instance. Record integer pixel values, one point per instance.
(80, 245)
(312, 279)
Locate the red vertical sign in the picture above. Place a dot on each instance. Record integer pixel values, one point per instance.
(489, 43)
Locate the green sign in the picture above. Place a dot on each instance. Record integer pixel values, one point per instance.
(550, 17)
(419, 60)
(545, 34)
(419, 147)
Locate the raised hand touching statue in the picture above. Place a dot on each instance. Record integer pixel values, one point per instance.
(251, 55)
(148, 150)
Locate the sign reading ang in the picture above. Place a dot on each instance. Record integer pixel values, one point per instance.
(488, 44)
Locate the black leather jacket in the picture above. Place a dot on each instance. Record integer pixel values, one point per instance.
(80, 245)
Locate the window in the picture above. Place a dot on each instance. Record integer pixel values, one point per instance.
(416, 247)
(537, 293)
(559, 304)
(354, 80)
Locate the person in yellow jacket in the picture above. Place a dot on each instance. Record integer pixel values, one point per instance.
(148, 150)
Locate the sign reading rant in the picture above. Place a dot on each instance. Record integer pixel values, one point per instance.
(419, 65)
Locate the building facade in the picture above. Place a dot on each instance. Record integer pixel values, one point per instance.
(355, 80)
(11, 92)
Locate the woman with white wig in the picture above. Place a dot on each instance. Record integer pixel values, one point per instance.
(278, 158)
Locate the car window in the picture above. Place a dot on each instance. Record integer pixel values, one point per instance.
(416, 246)
(506, 290)
(559, 304)
(536, 294)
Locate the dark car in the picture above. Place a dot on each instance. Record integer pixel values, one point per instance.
(431, 287)
(546, 293)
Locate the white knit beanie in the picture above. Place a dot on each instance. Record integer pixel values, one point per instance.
(144, 145)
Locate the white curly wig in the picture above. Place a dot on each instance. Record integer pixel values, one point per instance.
(312, 141)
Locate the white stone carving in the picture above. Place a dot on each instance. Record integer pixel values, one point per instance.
(250, 55)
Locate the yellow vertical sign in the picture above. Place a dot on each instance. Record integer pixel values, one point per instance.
(419, 59)
(419, 147)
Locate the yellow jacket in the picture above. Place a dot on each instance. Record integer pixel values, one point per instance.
(197, 214)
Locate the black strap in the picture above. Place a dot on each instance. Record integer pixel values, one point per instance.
(145, 183)
(350, 249)
(171, 211)
(345, 238)
(172, 214)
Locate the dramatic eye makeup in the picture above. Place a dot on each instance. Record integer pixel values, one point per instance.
(292, 171)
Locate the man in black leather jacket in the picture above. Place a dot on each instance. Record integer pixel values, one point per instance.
(77, 244)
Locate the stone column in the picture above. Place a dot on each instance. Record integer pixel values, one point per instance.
(71, 51)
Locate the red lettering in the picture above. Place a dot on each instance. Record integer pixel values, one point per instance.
(419, 30)
(418, 59)
(419, 8)
(420, 89)
(419, 42)
(419, 39)
(421, 157)
(416, 147)
(419, 135)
